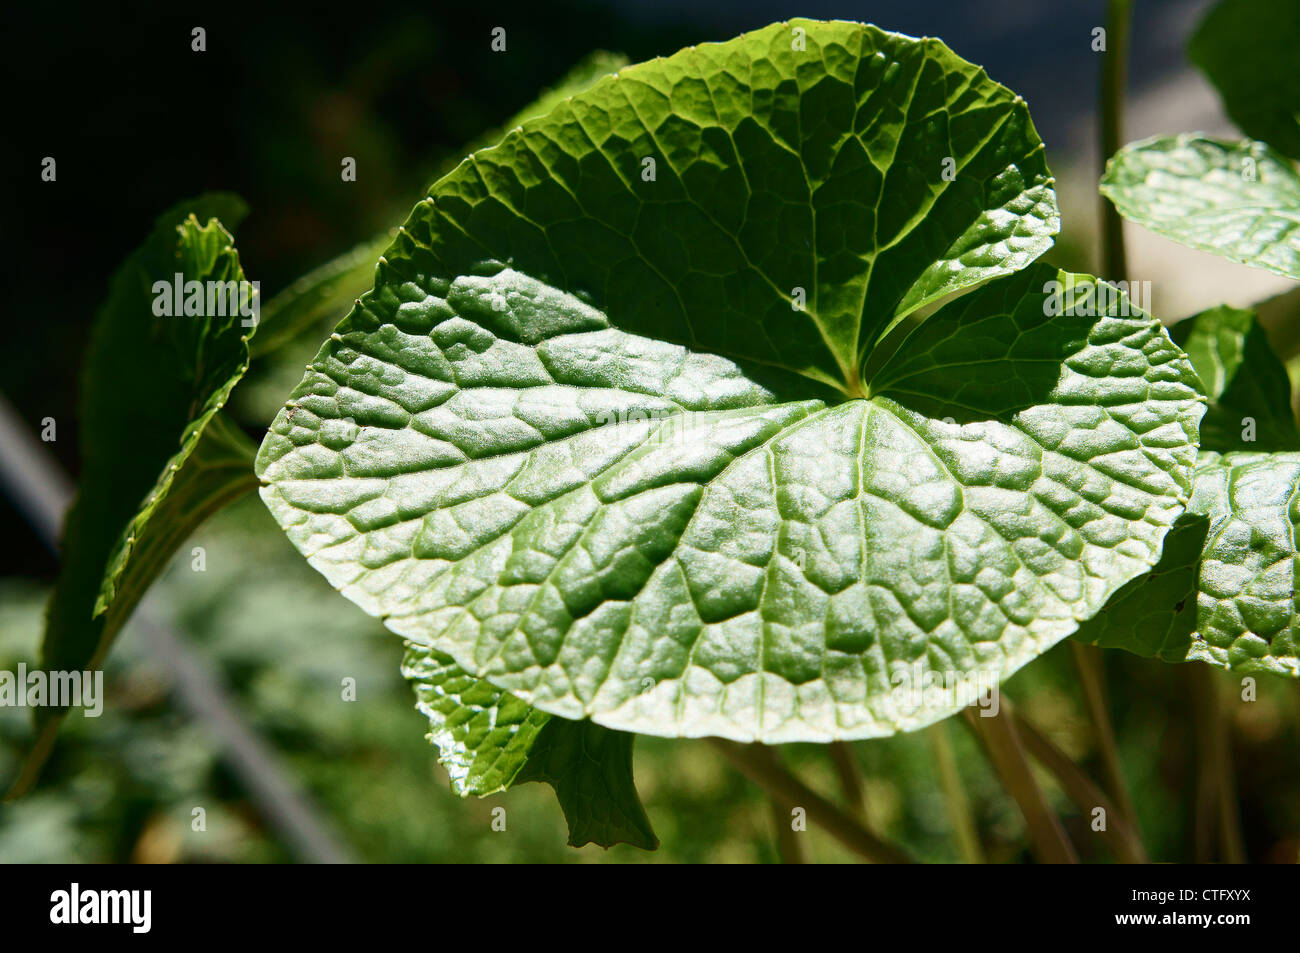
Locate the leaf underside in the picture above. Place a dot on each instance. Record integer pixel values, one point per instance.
(583, 438)
(489, 741)
(1240, 200)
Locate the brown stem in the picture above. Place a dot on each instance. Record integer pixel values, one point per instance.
(1079, 788)
(846, 767)
(1092, 678)
(1217, 816)
(1114, 80)
(954, 795)
(757, 763)
(788, 846)
(1005, 750)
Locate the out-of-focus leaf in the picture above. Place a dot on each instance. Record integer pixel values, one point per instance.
(328, 290)
(1248, 49)
(331, 289)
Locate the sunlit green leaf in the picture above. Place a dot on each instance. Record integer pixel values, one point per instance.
(627, 439)
(1224, 591)
(1240, 200)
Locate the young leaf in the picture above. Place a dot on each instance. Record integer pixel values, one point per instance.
(632, 477)
(489, 740)
(1247, 386)
(155, 461)
(1247, 49)
(1224, 589)
(1235, 199)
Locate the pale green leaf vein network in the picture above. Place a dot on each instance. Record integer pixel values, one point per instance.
(599, 461)
(1240, 200)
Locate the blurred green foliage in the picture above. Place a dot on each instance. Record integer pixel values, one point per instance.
(122, 787)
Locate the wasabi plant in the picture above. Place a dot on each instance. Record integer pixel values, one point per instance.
(724, 395)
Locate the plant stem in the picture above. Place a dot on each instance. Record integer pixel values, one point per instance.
(1114, 80)
(1216, 796)
(954, 795)
(1005, 750)
(757, 763)
(846, 766)
(1092, 677)
(1079, 788)
(788, 846)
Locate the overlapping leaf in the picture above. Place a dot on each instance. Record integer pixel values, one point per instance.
(1248, 387)
(489, 740)
(1223, 591)
(1240, 200)
(617, 435)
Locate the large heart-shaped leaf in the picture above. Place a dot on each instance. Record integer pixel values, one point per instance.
(1247, 48)
(1240, 200)
(621, 436)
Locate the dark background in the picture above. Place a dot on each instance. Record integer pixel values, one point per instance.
(136, 121)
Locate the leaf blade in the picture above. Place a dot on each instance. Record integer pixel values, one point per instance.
(1224, 590)
(490, 741)
(151, 388)
(1239, 200)
(639, 523)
